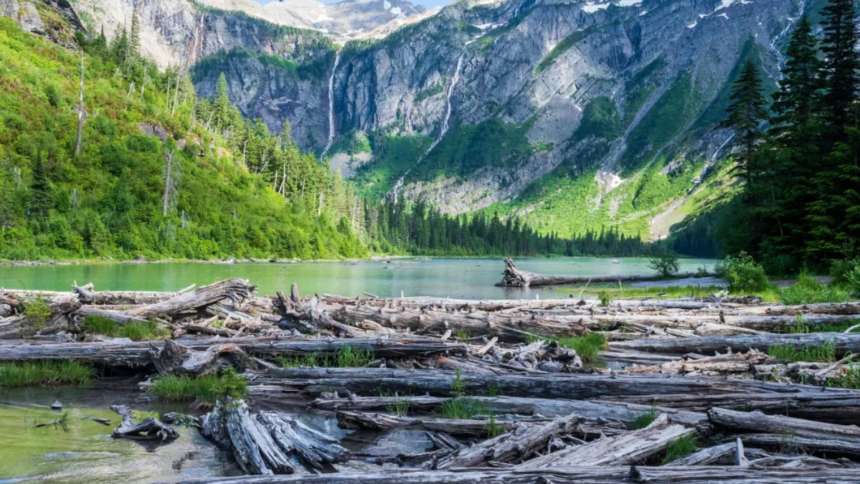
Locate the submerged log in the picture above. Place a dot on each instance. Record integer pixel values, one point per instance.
(628, 448)
(514, 277)
(149, 428)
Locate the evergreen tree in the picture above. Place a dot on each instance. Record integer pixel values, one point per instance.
(40, 189)
(746, 113)
(134, 39)
(840, 63)
(222, 107)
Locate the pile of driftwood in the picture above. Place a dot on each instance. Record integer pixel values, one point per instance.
(672, 371)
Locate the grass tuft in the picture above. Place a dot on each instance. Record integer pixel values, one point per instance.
(825, 353)
(645, 419)
(68, 372)
(134, 331)
(681, 448)
(809, 290)
(205, 388)
(588, 347)
(346, 357)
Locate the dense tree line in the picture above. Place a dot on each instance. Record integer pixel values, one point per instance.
(801, 201)
(422, 230)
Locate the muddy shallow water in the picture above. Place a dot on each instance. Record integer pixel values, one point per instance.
(83, 451)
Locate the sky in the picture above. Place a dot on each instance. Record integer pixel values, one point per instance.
(427, 3)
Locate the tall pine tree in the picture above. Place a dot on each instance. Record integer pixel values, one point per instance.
(840, 63)
(746, 113)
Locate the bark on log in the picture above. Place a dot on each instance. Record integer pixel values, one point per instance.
(628, 448)
(705, 456)
(566, 475)
(828, 447)
(174, 358)
(775, 424)
(381, 421)
(236, 290)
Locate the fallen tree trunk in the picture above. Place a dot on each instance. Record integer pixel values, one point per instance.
(568, 385)
(628, 448)
(706, 456)
(236, 290)
(118, 317)
(262, 443)
(381, 421)
(590, 411)
(803, 444)
(515, 277)
(512, 446)
(775, 424)
(137, 354)
(844, 343)
(565, 475)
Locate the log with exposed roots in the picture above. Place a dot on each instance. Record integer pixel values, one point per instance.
(514, 277)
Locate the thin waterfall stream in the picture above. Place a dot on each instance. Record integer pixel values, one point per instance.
(331, 127)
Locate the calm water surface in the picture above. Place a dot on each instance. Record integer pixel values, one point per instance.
(455, 278)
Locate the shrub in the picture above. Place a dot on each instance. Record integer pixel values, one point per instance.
(38, 313)
(840, 270)
(605, 298)
(231, 385)
(809, 290)
(854, 281)
(742, 273)
(666, 265)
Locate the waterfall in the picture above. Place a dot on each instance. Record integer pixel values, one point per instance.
(331, 127)
(443, 129)
(780, 59)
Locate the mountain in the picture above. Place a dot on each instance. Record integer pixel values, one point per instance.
(572, 115)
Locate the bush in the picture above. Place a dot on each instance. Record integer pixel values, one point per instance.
(854, 281)
(605, 298)
(809, 290)
(841, 270)
(742, 273)
(666, 264)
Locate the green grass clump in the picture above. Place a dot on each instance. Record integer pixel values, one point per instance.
(38, 313)
(399, 407)
(645, 419)
(67, 372)
(134, 331)
(825, 353)
(346, 357)
(462, 408)
(587, 347)
(605, 298)
(681, 448)
(809, 290)
(175, 388)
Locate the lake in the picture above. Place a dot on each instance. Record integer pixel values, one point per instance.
(455, 278)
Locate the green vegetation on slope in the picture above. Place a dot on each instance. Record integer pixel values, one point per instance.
(563, 47)
(109, 200)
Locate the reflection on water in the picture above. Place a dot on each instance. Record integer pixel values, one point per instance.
(82, 451)
(455, 278)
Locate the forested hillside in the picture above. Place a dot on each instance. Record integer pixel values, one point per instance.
(157, 172)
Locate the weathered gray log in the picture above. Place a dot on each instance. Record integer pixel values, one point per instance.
(567, 385)
(137, 354)
(628, 448)
(512, 446)
(591, 411)
(262, 443)
(705, 456)
(843, 343)
(381, 421)
(514, 277)
(236, 290)
(175, 358)
(828, 447)
(776, 424)
(565, 475)
(149, 428)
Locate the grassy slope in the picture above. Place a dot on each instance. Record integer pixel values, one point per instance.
(117, 182)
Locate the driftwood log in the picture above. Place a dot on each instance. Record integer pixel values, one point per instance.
(844, 343)
(515, 277)
(236, 290)
(148, 429)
